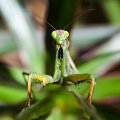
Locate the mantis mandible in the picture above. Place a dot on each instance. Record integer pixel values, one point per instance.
(64, 70)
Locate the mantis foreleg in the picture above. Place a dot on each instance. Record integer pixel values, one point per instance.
(80, 78)
(42, 79)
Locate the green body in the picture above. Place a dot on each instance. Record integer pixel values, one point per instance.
(63, 66)
(64, 70)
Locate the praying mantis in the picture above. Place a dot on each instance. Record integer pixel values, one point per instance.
(64, 69)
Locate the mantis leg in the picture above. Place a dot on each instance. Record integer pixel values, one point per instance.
(71, 62)
(28, 87)
(42, 79)
(25, 74)
(80, 78)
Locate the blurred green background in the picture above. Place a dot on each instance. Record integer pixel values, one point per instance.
(26, 45)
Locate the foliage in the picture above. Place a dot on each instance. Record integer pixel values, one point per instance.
(95, 56)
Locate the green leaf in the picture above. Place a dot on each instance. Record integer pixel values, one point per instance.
(83, 37)
(12, 95)
(17, 75)
(23, 30)
(104, 88)
(56, 114)
(107, 87)
(6, 117)
(59, 103)
(7, 44)
(95, 66)
(112, 9)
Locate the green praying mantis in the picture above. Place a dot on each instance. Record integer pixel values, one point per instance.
(64, 69)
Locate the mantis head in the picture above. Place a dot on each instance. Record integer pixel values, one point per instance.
(60, 36)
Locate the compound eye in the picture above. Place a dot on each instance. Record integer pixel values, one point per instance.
(66, 34)
(53, 34)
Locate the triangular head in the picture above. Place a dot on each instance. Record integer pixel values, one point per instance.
(60, 36)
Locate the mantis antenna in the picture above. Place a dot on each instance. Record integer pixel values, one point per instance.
(38, 19)
(86, 11)
(91, 8)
